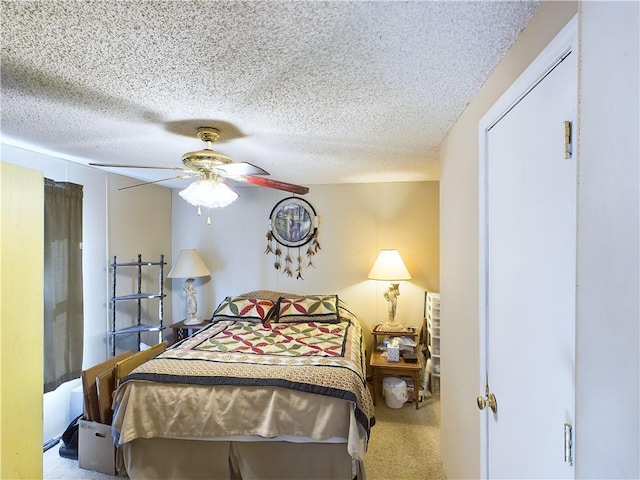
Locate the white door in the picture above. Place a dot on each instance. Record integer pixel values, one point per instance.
(529, 275)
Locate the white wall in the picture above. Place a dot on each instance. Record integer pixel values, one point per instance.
(356, 221)
(608, 312)
(143, 226)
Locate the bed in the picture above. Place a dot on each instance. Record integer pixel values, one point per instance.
(273, 388)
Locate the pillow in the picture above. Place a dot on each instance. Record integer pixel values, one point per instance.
(310, 308)
(244, 309)
(268, 295)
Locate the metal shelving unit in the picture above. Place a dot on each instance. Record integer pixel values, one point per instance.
(137, 297)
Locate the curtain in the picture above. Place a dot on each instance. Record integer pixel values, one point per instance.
(63, 305)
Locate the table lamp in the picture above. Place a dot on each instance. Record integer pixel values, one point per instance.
(389, 266)
(189, 265)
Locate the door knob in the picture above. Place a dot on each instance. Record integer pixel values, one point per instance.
(489, 400)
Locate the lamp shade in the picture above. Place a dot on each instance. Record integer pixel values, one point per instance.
(389, 266)
(189, 265)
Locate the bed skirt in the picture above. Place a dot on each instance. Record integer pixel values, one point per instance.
(163, 458)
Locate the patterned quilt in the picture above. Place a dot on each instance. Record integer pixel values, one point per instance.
(325, 359)
(283, 339)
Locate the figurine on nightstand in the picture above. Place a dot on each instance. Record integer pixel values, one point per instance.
(391, 296)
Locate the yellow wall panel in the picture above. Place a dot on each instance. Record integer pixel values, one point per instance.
(21, 322)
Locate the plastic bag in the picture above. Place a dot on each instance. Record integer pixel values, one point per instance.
(69, 438)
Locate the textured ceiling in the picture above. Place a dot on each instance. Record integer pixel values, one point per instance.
(313, 92)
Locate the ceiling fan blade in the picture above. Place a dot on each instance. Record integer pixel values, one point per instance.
(224, 180)
(278, 185)
(116, 165)
(179, 177)
(240, 169)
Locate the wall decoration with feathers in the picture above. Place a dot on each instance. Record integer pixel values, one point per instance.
(293, 225)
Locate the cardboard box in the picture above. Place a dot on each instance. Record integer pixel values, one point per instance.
(95, 448)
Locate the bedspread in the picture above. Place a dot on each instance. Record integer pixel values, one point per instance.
(246, 363)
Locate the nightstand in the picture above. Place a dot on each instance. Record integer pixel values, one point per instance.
(182, 331)
(381, 367)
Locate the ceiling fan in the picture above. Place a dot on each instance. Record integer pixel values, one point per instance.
(215, 168)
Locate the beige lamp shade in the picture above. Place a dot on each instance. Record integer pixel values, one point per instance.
(389, 266)
(189, 265)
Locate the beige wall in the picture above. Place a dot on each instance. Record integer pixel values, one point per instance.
(459, 252)
(21, 326)
(356, 221)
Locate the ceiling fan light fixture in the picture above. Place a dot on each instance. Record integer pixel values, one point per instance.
(208, 193)
(212, 168)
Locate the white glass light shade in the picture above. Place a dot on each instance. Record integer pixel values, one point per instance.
(189, 265)
(208, 193)
(389, 266)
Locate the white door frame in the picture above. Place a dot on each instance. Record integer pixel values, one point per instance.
(565, 42)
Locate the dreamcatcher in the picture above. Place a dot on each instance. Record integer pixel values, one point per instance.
(293, 224)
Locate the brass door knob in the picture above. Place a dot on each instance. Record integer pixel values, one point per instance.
(487, 401)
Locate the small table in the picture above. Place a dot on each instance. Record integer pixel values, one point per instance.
(182, 331)
(380, 367)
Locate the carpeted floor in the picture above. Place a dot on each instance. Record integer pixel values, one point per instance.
(56, 467)
(405, 444)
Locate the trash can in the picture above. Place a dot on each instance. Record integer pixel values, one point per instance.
(394, 390)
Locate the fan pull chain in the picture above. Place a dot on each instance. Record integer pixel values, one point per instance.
(199, 211)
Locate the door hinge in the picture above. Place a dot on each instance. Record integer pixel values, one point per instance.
(568, 150)
(568, 443)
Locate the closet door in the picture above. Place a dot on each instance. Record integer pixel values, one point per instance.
(529, 278)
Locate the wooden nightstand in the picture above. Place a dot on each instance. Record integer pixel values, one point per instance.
(182, 331)
(380, 366)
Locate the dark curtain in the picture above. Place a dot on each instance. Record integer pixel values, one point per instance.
(63, 307)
